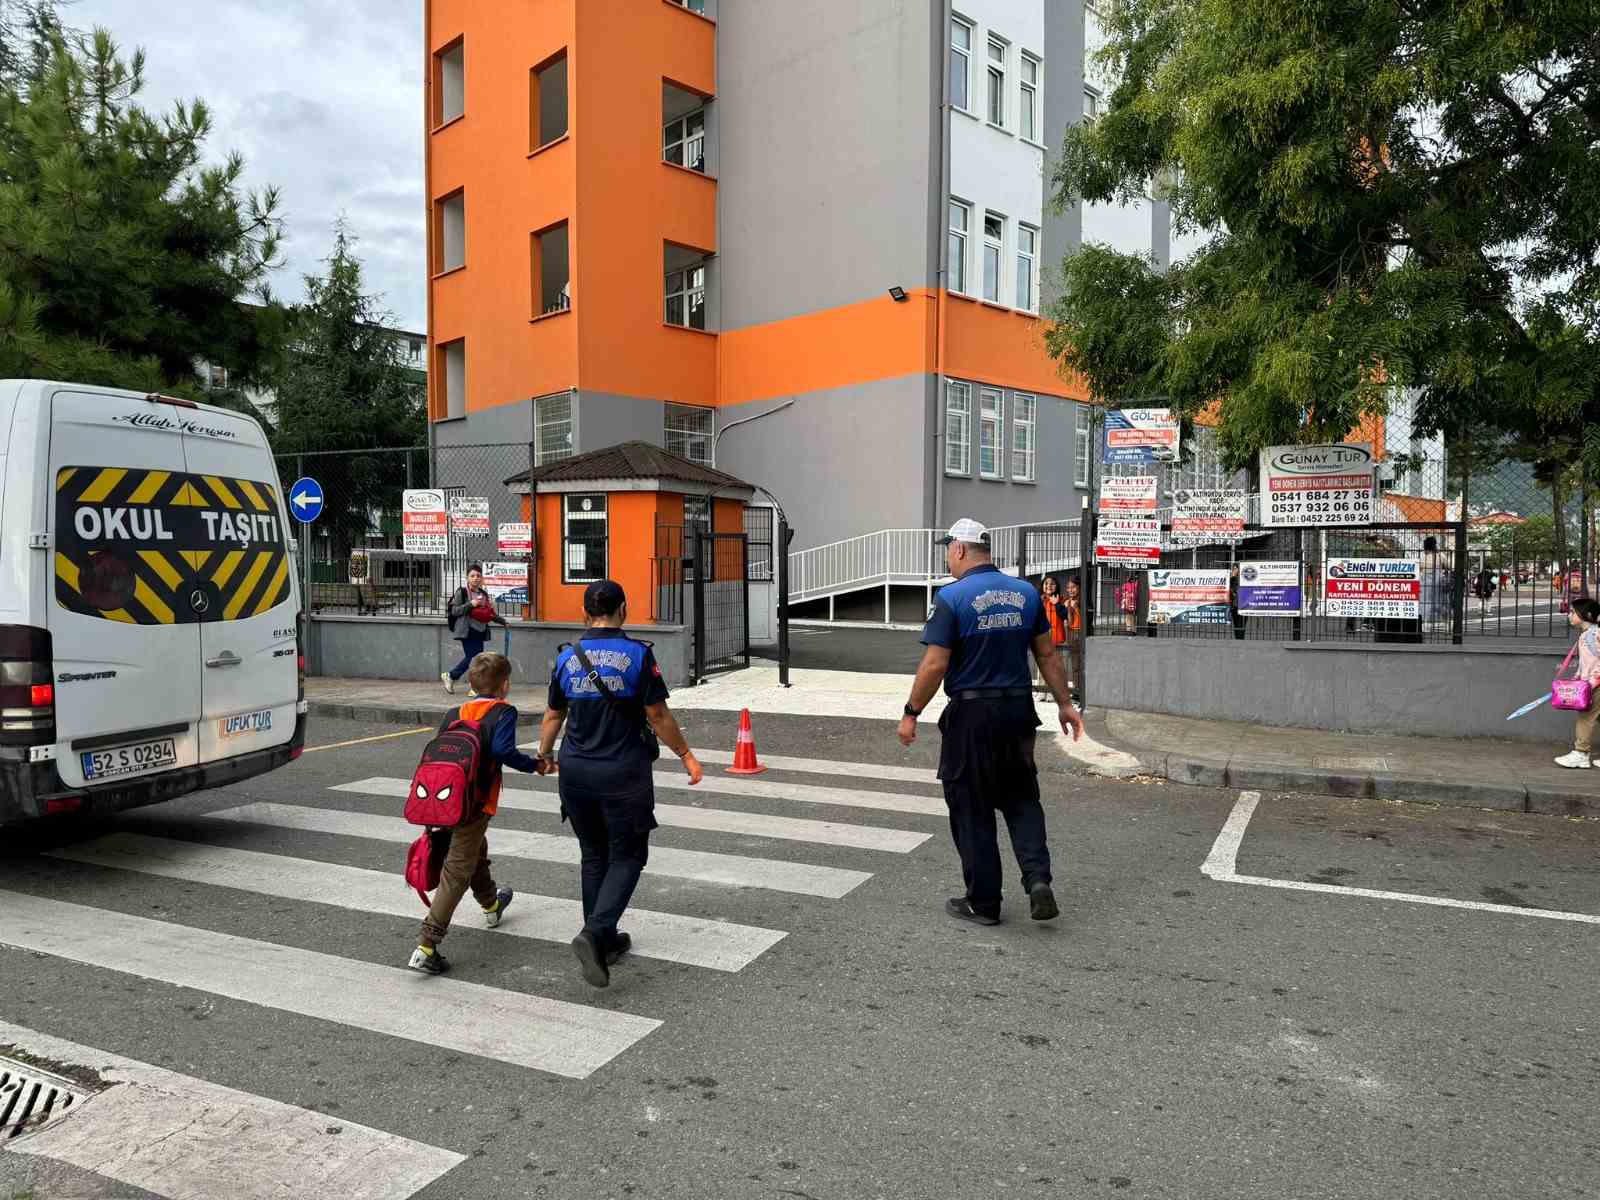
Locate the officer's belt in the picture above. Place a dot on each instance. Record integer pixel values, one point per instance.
(991, 693)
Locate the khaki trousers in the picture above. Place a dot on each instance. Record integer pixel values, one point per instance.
(465, 866)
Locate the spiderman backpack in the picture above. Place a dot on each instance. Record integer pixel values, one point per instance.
(451, 786)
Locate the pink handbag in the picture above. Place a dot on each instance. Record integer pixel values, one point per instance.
(1574, 695)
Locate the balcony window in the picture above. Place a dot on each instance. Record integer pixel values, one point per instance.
(547, 102)
(552, 271)
(450, 233)
(449, 83)
(684, 141)
(686, 289)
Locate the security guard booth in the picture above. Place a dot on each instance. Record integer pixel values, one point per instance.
(630, 512)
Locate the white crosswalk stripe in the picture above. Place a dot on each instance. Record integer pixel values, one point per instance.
(817, 766)
(702, 866)
(519, 797)
(719, 945)
(513, 1027)
(178, 1137)
(805, 793)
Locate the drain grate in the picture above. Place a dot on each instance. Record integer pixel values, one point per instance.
(30, 1098)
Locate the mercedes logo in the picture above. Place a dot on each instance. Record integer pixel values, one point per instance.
(199, 601)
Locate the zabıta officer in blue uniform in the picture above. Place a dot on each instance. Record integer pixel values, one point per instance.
(978, 638)
(608, 692)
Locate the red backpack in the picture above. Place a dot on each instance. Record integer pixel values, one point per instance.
(425, 862)
(455, 778)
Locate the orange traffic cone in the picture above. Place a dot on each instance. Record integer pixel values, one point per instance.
(744, 754)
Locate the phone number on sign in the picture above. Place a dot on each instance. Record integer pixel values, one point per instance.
(1373, 608)
(1334, 507)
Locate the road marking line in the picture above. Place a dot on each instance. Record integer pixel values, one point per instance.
(510, 1027)
(1221, 865)
(804, 793)
(788, 829)
(701, 866)
(719, 945)
(817, 766)
(382, 737)
(177, 1136)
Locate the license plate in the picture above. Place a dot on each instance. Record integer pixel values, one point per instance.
(130, 760)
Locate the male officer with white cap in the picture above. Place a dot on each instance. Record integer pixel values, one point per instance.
(978, 637)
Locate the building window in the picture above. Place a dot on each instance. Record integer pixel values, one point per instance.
(552, 271)
(217, 378)
(997, 82)
(1024, 436)
(1032, 77)
(1082, 449)
(991, 418)
(958, 428)
(684, 141)
(686, 297)
(547, 102)
(960, 223)
(691, 433)
(453, 373)
(583, 542)
(450, 233)
(694, 6)
(555, 428)
(994, 239)
(961, 64)
(1027, 265)
(449, 83)
(696, 515)
(414, 349)
(1091, 106)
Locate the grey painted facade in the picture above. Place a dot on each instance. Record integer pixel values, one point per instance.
(420, 648)
(1437, 691)
(825, 114)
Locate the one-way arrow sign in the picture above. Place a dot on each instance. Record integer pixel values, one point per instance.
(305, 500)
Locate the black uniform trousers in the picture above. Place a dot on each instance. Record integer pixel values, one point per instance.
(986, 765)
(614, 841)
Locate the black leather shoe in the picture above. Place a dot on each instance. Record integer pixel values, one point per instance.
(621, 946)
(591, 960)
(1042, 903)
(961, 908)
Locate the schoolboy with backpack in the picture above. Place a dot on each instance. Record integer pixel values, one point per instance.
(453, 795)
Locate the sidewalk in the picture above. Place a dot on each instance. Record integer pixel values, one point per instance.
(1471, 773)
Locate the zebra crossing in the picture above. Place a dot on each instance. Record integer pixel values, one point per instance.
(556, 1037)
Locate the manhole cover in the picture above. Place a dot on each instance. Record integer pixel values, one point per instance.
(1349, 762)
(30, 1098)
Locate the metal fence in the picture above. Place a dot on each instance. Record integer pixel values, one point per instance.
(361, 519)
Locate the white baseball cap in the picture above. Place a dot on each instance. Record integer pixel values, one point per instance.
(966, 530)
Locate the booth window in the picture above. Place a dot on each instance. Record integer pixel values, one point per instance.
(583, 544)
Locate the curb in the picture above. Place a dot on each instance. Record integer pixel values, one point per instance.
(377, 714)
(1255, 775)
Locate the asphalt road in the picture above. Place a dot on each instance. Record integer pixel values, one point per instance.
(1170, 1036)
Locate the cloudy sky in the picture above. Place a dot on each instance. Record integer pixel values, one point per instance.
(323, 99)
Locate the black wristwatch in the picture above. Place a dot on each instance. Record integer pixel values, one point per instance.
(913, 712)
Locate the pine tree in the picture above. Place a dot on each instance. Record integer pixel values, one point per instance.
(124, 257)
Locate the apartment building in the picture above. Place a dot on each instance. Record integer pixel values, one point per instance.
(655, 219)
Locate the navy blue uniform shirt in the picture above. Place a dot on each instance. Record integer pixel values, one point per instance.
(602, 745)
(988, 621)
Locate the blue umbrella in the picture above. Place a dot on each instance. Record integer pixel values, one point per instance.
(1529, 707)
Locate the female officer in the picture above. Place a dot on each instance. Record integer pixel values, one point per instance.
(609, 693)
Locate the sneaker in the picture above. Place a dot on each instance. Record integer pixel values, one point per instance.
(591, 960)
(428, 963)
(502, 901)
(621, 946)
(961, 908)
(449, 684)
(1042, 903)
(1574, 760)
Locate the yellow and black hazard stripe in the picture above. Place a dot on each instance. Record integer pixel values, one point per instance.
(152, 547)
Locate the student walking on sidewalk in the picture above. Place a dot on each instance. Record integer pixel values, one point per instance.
(466, 865)
(983, 627)
(1585, 617)
(608, 692)
(470, 613)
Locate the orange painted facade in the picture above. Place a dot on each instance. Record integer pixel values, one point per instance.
(623, 206)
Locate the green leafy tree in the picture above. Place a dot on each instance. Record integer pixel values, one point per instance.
(340, 384)
(1531, 544)
(1395, 194)
(123, 255)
